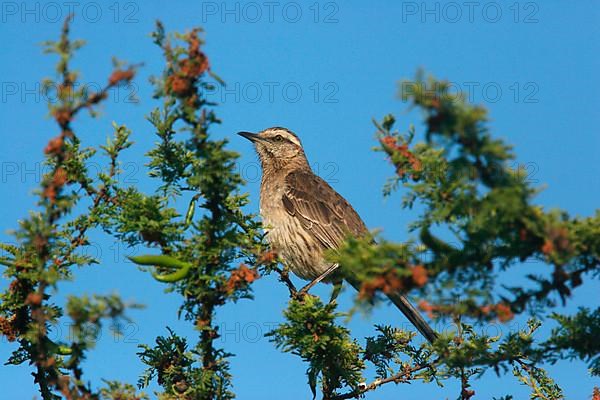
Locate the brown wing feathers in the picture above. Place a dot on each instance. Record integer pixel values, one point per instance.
(331, 218)
(320, 209)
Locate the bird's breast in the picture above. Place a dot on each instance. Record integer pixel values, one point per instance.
(296, 245)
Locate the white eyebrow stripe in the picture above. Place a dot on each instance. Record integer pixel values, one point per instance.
(292, 139)
(289, 136)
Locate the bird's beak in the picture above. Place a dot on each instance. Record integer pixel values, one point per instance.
(253, 137)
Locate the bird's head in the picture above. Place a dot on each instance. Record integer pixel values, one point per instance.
(277, 147)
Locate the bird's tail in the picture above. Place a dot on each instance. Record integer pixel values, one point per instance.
(413, 315)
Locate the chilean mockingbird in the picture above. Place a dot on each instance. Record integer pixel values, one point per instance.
(304, 216)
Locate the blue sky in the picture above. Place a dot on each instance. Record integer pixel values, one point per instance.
(323, 69)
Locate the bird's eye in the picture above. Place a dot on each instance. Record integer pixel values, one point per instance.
(279, 138)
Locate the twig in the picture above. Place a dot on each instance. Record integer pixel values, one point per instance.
(318, 279)
(401, 377)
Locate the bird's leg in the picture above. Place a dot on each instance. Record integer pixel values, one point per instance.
(318, 279)
(284, 276)
(337, 288)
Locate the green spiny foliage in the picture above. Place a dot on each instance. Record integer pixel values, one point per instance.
(47, 241)
(575, 338)
(121, 391)
(384, 350)
(202, 252)
(312, 333)
(171, 363)
(478, 222)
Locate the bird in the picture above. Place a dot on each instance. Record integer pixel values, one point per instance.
(303, 216)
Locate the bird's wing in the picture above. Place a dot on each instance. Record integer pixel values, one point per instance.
(320, 209)
(330, 218)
